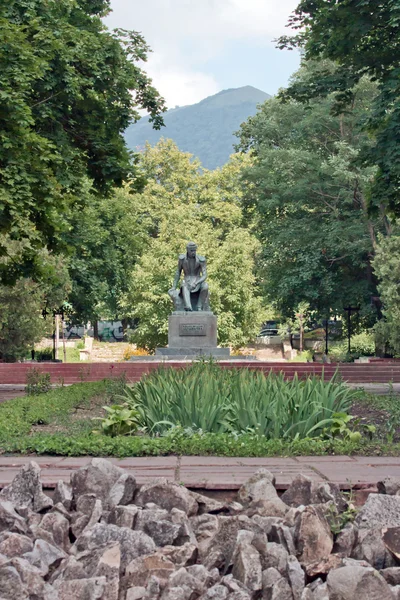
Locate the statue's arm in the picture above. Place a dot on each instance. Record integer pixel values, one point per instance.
(177, 275)
(203, 271)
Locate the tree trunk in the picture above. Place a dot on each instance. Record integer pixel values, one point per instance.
(95, 330)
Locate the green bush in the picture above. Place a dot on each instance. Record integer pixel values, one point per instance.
(362, 344)
(210, 399)
(37, 382)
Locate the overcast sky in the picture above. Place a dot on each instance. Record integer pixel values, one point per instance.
(201, 47)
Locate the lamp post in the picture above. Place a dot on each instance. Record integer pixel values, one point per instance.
(349, 310)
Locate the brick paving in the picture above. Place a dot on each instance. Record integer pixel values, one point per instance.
(220, 473)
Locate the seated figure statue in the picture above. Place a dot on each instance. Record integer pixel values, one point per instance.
(193, 294)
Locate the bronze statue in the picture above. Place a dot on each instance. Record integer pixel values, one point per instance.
(193, 294)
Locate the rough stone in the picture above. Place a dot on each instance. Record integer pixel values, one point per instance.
(14, 544)
(391, 575)
(305, 491)
(84, 589)
(260, 490)
(58, 527)
(313, 537)
(369, 546)
(99, 478)
(379, 511)
(322, 567)
(274, 586)
(10, 520)
(11, 585)
(247, 566)
(26, 489)
(345, 540)
(351, 583)
(141, 569)
(45, 557)
(124, 516)
(296, 577)
(63, 494)
(217, 592)
(391, 540)
(133, 543)
(389, 486)
(167, 495)
(157, 524)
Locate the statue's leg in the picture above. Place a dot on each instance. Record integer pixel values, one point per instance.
(203, 296)
(186, 297)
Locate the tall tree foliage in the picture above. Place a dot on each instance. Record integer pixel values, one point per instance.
(308, 192)
(68, 90)
(362, 37)
(179, 203)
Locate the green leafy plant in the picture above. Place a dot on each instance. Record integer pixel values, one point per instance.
(37, 382)
(338, 520)
(207, 398)
(120, 420)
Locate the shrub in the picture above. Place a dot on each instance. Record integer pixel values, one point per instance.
(207, 398)
(37, 382)
(362, 344)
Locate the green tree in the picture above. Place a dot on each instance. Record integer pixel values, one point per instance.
(68, 90)
(387, 268)
(362, 37)
(308, 192)
(181, 202)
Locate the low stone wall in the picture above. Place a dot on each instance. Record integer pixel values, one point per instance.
(15, 373)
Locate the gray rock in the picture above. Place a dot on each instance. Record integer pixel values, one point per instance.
(296, 577)
(11, 585)
(395, 592)
(207, 578)
(273, 555)
(204, 527)
(14, 544)
(10, 520)
(379, 511)
(239, 595)
(109, 567)
(45, 557)
(181, 556)
(389, 486)
(58, 527)
(140, 570)
(247, 566)
(31, 578)
(369, 546)
(99, 478)
(274, 586)
(259, 490)
(281, 534)
(313, 537)
(167, 495)
(63, 494)
(182, 578)
(84, 589)
(124, 516)
(351, 583)
(217, 592)
(345, 540)
(305, 491)
(317, 590)
(157, 524)
(132, 543)
(391, 575)
(26, 490)
(209, 505)
(185, 532)
(136, 593)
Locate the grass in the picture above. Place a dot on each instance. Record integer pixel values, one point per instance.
(60, 423)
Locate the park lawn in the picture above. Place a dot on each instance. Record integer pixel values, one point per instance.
(60, 422)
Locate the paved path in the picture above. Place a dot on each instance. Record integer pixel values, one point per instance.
(219, 473)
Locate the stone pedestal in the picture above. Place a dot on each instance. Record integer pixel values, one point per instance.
(192, 334)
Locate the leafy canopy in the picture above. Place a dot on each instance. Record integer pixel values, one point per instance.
(306, 189)
(68, 89)
(362, 37)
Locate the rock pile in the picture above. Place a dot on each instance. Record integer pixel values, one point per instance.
(104, 538)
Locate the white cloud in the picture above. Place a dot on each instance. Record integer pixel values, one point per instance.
(184, 34)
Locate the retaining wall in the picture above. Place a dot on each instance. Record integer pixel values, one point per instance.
(15, 373)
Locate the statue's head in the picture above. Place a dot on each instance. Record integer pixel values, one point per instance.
(191, 250)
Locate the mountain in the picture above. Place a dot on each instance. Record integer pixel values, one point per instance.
(204, 129)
